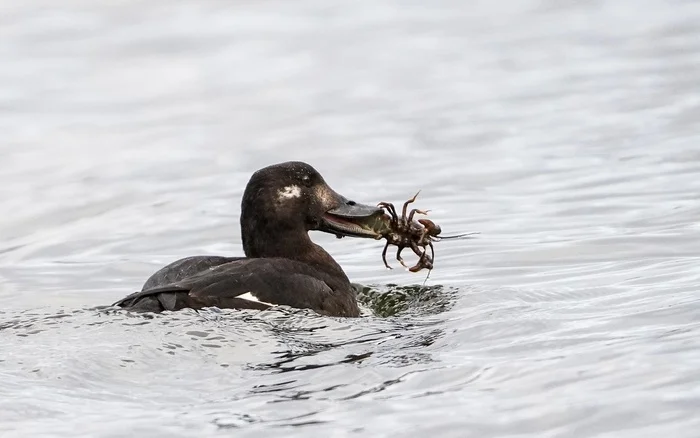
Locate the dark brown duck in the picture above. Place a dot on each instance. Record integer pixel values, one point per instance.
(282, 266)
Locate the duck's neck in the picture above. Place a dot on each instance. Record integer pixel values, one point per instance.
(294, 244)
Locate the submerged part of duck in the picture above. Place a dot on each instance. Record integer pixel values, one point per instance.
(282, 266)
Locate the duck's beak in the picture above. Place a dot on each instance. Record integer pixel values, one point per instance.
(350, 218)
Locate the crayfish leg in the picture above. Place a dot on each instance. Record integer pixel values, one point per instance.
(421, 255)
(398, 256)
(405, 205)
(414, 211)
(432, 252)
(392, 211)
(386, 247)
(415, 249)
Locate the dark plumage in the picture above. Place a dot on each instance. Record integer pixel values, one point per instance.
(281, 203)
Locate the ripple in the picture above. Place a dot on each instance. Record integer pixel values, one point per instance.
(565, 134)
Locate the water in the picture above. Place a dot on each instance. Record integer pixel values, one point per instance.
(564, 132)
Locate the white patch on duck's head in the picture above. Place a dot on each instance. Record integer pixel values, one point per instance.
(289, 192)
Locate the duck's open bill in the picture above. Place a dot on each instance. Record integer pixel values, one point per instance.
(353, 219)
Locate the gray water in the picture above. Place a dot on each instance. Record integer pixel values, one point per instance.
(566, 133)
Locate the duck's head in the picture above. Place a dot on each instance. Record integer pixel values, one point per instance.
(290, 197)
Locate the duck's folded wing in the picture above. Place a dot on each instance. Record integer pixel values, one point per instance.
(273, 281)
(184, 268)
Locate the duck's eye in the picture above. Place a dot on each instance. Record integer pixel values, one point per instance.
(306, 180)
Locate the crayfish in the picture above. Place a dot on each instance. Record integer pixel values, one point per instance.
(404, 232)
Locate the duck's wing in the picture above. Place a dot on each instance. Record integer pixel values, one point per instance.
(184, 268)
(270, 281)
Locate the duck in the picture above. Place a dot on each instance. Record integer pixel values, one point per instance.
(281, 265)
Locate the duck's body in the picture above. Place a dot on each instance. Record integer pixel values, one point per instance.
(282, 266)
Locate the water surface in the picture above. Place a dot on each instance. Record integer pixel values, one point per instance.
(564, 132)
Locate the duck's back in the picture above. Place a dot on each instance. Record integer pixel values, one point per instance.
(183, 268)
(205, 281)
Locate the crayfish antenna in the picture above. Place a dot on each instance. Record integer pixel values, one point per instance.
(457, 236)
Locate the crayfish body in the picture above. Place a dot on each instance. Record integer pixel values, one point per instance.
(405, 232)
